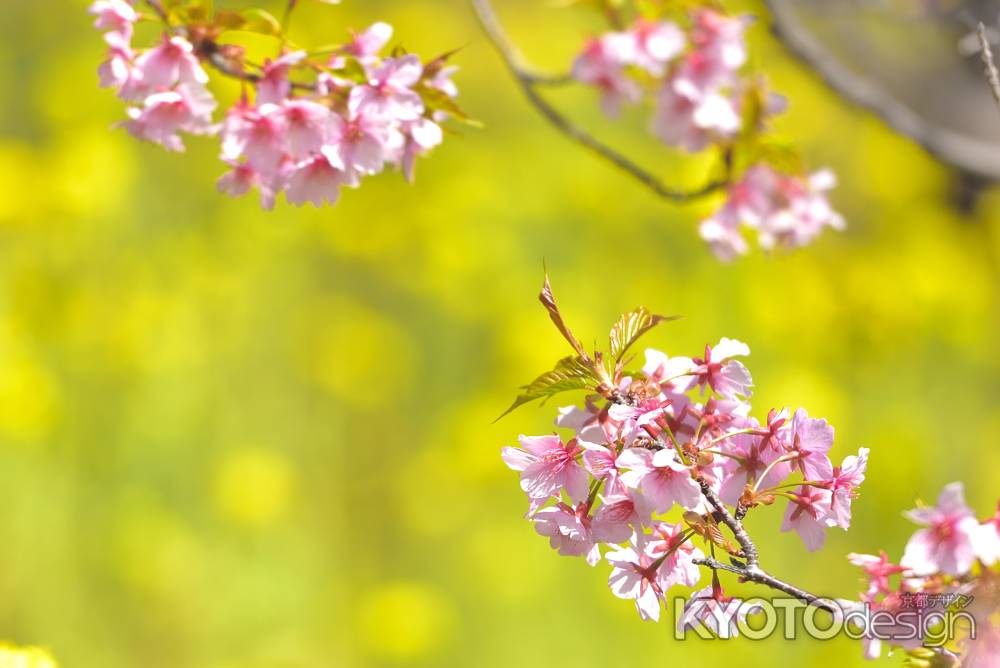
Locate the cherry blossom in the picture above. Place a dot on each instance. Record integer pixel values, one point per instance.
(660, 477)
(602, 64)
(808, 513)
(988, 539)
(568, 531)
(786, 211)
(634, 575)
(948, 543)
(304, 125)
(548, 465)
(675, 434)
(847, 478)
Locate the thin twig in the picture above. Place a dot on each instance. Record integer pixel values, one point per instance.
(157, 7)
(528, 79)
(750, 570)
(986, 52)
(760, 577)
(954, 148)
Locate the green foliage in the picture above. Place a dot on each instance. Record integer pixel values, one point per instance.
(570, 373)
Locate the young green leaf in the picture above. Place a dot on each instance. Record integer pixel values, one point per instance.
(631, 326)
(570, 373)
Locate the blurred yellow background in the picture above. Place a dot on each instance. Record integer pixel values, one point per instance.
(234, 439)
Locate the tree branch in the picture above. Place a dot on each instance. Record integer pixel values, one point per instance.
(760, 577)
(951, 147)
(751, 570)
(735, 525)
(528, 79)
(986, 52)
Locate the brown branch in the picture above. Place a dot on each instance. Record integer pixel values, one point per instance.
(760, 577)
(528, 79)
(986, 52)
(735, 525)
(951, 147)
(750, 570)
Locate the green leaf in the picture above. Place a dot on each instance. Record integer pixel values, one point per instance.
(570, 373)
(352, 70)
(437, 100)
(631, 326)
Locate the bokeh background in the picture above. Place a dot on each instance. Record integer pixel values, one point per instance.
(234, 439)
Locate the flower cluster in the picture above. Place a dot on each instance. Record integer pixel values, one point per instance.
(703, 99)
(945, 565)
(305, 124)
(786, 211)
(674, 437)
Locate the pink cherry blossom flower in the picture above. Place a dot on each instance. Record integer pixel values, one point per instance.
(619, 516)
(388, 90)
(117, 16)
(547, 465)
(360, 144)
(599, 460)
(316, 181)
(846, 479)
(692, 122)
(722, 232)
(306, 126)
(634, 576)
(786, 211)
(188, 109)
(674, 374)
(751, 459)
(719, 613)
(568, 531)
(260, 137)
(421, 136)
(878, 569)
(442, 81)
(117, 71)
(602, 63)
(274, 85)
(661, 479)
(721, 37)
(656, 44)
(169, 63)
(804, 214)
(365, 45)
(988, 540)
(678, 567)
(241, 179)
(808, 513)
(948, 542)
(719, 371)
(810, 440)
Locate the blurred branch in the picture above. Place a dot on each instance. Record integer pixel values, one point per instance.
(528, 79)
(157, 7)
(950, 147)
(986, 52)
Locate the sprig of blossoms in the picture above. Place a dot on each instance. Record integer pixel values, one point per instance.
(951, 563)
(306, 124)
(650, 460)
(660, 462)
(692, 67)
